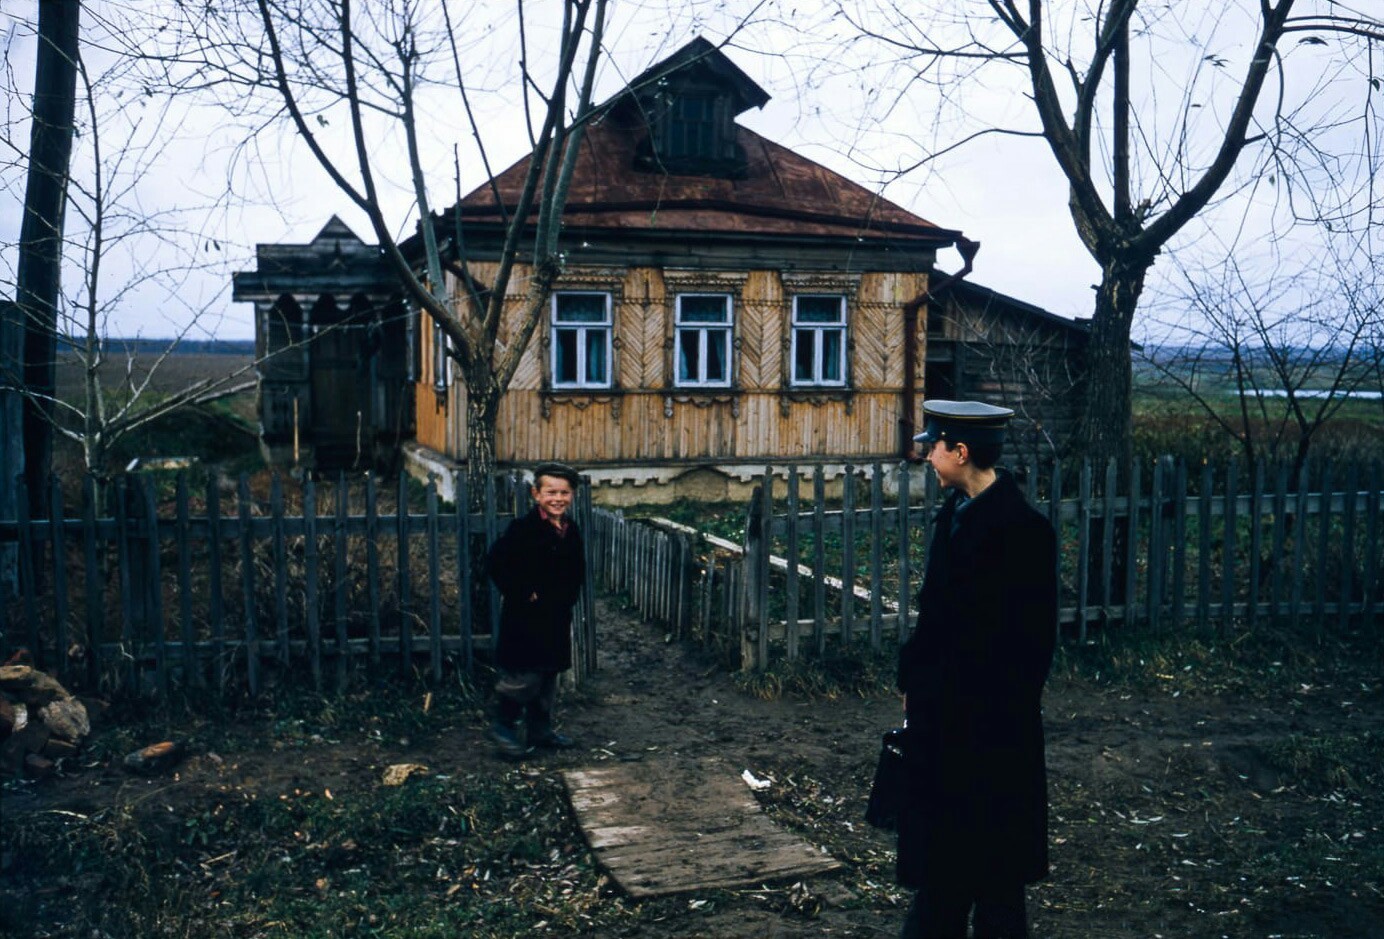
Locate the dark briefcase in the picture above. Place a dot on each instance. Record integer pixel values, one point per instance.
(890, 787)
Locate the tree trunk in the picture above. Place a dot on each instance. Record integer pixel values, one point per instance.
(1106, 428)
(482, 407)
(41, 231)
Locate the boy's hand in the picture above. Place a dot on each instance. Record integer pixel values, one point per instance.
(533, 597)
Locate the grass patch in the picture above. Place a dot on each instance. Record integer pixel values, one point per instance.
(842, 674)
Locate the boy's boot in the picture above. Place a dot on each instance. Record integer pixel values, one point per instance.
(505, 732)
(541, 734)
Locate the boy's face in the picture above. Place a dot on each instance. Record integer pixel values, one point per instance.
(947, 462)
(553, 495)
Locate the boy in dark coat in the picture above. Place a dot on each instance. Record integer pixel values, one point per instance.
(975, 829)
(539, 565)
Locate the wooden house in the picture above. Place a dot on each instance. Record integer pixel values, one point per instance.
(333, 339)
(726, 304)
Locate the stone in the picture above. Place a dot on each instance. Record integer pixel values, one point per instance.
(66, 717)
(38, 767)
(57, 748)
(31, 686)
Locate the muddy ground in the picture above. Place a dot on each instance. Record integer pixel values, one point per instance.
(1201, 790)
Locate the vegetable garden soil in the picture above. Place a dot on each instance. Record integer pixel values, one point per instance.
(1200, 789)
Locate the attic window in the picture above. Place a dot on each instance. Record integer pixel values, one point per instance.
(693, 130)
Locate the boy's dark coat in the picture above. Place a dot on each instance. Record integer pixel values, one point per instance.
(974, 673)
(531, 558)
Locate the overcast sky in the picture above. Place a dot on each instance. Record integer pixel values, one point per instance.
(1002, 191)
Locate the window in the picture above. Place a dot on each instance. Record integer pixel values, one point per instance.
(692, 130)
(439, 363)
(581, 340)
(819, 340)
(703, 340)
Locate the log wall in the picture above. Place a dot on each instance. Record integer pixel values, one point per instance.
(644, 419)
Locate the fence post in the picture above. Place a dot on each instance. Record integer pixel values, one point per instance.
(401, 527)
(749, 584)
(247, 582)
(876, 555)
(1107, 543)
(1324, 498)
(766, 543)
(276, 507)
(95, 595)
(1204, 549)
(1299, 547)
(1229, 542)
(1131, 571)
(1256, 543)
(791, 595)
(1157, 546)
(340, 577)
(819, 564)
(847, 556)
(434, 586)
(905, 478)
(310, 572)
(1179, 545)
(465, 621)
(372, 569)
(155, 584)
(1348, 544)
(1083, 547)
(191, 670)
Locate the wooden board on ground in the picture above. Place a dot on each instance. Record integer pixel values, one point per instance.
(667, 825)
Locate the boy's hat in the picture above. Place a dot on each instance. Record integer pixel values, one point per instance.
(557, 471)
(972, 422)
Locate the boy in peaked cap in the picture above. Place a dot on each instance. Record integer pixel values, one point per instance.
(539, 565)
(974, 832)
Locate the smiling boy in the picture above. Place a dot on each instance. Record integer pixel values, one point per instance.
(538, 564)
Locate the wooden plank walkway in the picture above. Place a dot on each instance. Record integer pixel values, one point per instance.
(672, 825)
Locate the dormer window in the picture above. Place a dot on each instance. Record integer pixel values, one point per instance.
(691, 133)
(692, 130)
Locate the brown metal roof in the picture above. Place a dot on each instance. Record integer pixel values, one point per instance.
(779, 193)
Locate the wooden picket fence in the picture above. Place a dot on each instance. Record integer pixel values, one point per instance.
(168, 591)
(321, 583)
(1163, 548)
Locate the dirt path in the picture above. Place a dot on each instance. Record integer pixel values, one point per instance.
(1175, 813)
(1203, 800)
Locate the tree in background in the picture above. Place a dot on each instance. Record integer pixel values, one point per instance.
(113, 246)
(26, 325)
(1274, 352)
(1154, 113)
(381, 72)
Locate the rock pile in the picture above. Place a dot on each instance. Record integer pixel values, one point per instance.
(40, 722)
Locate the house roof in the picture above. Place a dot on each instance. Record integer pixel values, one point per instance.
(781, 193)
(777, 192)
(335, 261)
(701, 55)
(965, 290)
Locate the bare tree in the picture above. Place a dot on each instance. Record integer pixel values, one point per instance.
(26, 325)
(1273, 353)
(1152, 113)
(384, 68)
(121, 129)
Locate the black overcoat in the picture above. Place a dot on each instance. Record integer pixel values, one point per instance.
(973, 672)
(539, 574)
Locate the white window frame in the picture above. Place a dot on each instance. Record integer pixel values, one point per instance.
(585, 331)
(819, 330)
(440, 364)
(705, 333)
